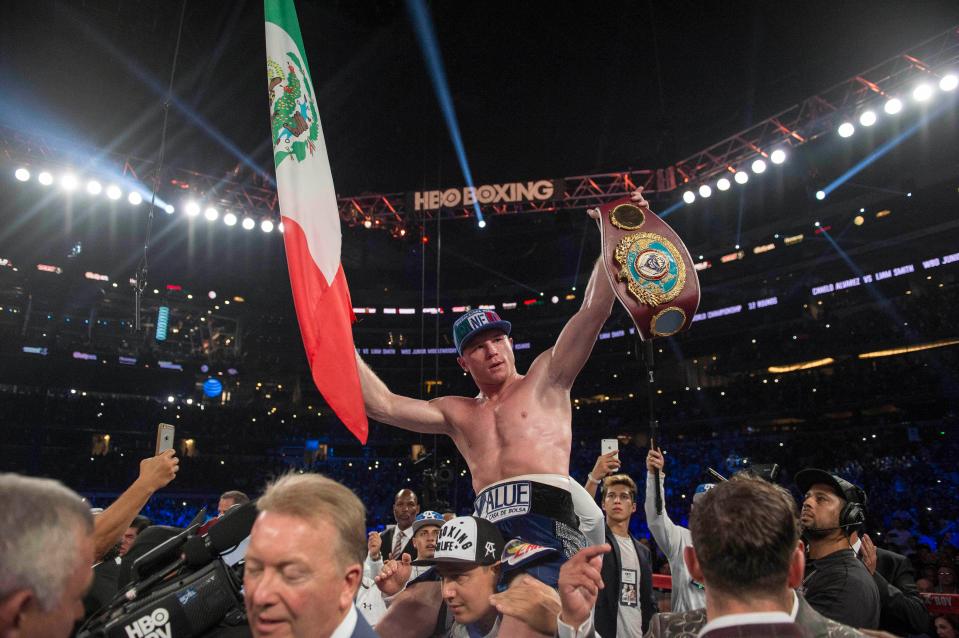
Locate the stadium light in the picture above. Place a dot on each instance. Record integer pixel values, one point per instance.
(169, 209)
(949, 82)
(266, 226)
(778, 156)
(705, 191)
(22, 174)
(135, 198)
(892, 106)
(45, 178)
(94, 187)
(229, 219)
(741, 177)
(759, 166)
(867, 118)
(248, 223)
(846, 129)
(69, 182)
(689, 197)
(820, 195)
(922, 93)
(482, 223)
(723, 184)
(211, 214)
(114, 192)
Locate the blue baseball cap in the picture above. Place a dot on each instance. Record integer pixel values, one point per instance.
(475, 321)
(428, 517)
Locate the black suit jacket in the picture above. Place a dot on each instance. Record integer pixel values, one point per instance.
(901, 609)
(607, 604)
(387, 538)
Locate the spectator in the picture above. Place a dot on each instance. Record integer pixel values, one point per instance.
(155, 474)
(836, 584)
(305, 560)
(947, 626)
(898, 537)
(745, 550)
(946, 579)
(139, 524)
(626, 603)
(398, 538)
(467, 561)
(46, 557)
(902, 611)
(370, 600)
(672, 539)
(229, 499)
(924, 586)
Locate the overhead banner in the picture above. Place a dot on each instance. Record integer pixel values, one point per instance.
(543, 190)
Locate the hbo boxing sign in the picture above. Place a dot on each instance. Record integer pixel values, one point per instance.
(538, 191)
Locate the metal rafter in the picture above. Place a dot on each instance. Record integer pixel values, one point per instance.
(790, 128)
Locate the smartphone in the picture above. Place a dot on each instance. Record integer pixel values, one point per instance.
(610, 445)
(165, 433)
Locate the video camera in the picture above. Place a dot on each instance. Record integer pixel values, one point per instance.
(186, 597)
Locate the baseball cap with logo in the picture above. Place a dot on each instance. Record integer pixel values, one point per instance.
(467, 540)
(473, 322)
(429, 517)
(701, 490)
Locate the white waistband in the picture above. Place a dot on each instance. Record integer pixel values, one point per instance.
(555, 480)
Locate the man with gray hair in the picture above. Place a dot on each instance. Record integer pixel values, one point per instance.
(46, 557)
(305, 560)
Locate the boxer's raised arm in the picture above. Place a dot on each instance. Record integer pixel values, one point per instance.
(384, 406)
(577, 338)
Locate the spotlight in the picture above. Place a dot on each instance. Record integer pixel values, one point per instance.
(741, 177)
(135, 198)
(402, 232)
(867, 118)
(280, 227)
(689, 197)
(367, 224)
(949, 82)
(705, 191)
(211, 294)
(22, 174)
(192, 209)
(45, 178)
(723, 184)
(94, 187)
(858, 220)
(759, 166)
(922, 93)
(211, 214)
(892, 106)
(69, 182)
(778, 156)
(820, 195)
(229, 219)
(846, 129)
(114, 192)
(169, 209)
(482, 223)
(266, 226)
(248, 223)
(170, 399)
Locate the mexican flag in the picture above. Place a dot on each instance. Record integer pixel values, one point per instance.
(311, 222)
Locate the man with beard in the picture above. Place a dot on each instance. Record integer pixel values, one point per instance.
(836, 583)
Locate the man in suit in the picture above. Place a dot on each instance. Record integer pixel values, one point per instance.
(397, 539)
(305, 560)
(626, 603)
(745, 550)
(902, 611)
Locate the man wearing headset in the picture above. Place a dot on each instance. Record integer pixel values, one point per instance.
(836, 583)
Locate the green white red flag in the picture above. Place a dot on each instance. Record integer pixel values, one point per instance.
(311, 221)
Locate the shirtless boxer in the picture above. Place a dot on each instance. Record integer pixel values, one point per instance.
(516, 434)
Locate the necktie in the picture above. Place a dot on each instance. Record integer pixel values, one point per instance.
(397, 543)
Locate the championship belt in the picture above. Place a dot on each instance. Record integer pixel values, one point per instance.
(649, 268)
